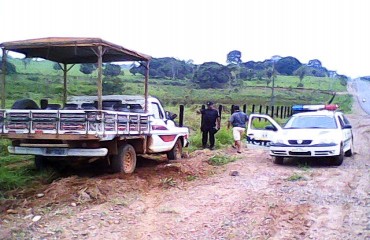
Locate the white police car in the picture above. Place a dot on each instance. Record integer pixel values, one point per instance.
(312, 131)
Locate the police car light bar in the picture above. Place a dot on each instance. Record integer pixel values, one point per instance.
(310, 108)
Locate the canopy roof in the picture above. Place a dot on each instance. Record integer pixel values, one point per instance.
(73, 50)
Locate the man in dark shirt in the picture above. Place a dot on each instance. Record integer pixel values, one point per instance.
(210, 125)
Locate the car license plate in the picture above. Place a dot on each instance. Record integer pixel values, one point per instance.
(298, 150)
(56, 151)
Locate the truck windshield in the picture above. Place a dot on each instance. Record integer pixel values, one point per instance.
(325, 122)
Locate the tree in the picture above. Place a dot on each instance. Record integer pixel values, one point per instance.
(10, 67)
(26, 62)
(111, 70)
(301, 73)
(212, 75)
(57, 67)
(87, 68)
(234, 57)
(287, 65)
(112, 86)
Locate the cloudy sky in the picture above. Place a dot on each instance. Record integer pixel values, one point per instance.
(337, 32)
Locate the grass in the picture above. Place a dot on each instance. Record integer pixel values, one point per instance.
(18, 171)
(295, 177)
(168, 182)
(219, 160)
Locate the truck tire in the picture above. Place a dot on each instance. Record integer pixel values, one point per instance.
(125, 160)
(176, 152)
(25, 104)
(40, 163)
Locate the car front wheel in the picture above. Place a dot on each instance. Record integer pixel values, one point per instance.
(278, 160)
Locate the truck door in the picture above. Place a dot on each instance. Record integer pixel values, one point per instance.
(262, 129)
(164, 133)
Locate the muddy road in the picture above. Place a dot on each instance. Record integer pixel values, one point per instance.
(250, 198)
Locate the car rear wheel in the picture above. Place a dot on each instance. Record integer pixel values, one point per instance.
(125, 160)
(278, 160)
(176, 152)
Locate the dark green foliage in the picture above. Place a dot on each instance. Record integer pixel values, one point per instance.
(87, 68)
(112, 86)
(314, 63)
(234, 57)
(10, 67)
(287, 65)
(343, 79)
(57, 67)
(168, 68)
(212, 75)
(111, 70)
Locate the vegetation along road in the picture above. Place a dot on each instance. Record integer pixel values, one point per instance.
(199, 198)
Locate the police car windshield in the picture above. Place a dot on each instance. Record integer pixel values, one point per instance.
(322, 122)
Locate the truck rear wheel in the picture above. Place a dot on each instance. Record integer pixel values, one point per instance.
(176, 152)
(125, 160)
(40, 162)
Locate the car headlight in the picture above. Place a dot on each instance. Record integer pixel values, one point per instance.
(279, 140)
(326, 140)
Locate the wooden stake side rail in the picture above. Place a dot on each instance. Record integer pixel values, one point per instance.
(66, 124)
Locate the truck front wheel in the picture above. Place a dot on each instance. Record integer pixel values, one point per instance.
(176, 152)
(125, 160)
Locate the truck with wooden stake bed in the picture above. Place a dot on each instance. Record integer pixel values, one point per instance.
(113, 127)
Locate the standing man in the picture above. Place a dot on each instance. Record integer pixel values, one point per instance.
(210, 125)
(238, 120)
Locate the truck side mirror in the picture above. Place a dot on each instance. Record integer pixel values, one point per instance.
(170, 115)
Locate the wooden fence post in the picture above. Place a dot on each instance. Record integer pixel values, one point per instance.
(272, 111)
(220, 110)
(181, 117)
(253, 106)
(245, 108)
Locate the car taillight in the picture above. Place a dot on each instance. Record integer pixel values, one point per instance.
(168, 138)
(158, 127)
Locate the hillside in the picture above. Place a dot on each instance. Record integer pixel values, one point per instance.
(38, 79)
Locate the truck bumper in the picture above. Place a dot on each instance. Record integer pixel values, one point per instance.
(59, 152)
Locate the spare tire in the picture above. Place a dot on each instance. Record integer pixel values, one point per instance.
(25, 104)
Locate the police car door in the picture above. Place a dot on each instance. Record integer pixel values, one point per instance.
(262, 129)
(346, 132)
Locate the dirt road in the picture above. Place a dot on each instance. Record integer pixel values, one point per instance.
(250, 198)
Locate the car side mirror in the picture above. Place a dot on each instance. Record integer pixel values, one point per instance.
(170, 115)
(271, 128)
(347, 126)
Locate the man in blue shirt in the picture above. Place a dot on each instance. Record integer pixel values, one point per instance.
(238, 120)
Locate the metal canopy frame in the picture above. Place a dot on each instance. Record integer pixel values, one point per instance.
(73, 51)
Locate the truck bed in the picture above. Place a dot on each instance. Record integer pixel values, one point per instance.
(71, 124)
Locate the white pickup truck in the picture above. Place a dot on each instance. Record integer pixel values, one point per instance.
(79, 131)
(112, 127)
